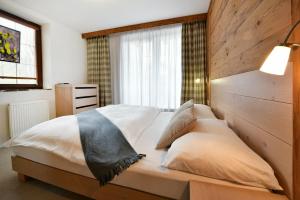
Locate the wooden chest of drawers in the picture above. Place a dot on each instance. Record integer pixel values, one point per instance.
(72, 99)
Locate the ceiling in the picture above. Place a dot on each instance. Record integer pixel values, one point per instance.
(92, 15)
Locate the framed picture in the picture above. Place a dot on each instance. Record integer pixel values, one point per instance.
(9, 45)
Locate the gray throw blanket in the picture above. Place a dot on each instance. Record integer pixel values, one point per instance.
(106, 150)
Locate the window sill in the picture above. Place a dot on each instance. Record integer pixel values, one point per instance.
(22, 90)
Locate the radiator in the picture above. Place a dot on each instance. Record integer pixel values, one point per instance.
(24, 115)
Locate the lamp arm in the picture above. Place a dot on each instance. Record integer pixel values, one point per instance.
(289, 34)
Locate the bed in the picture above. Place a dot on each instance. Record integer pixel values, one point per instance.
(146, 179)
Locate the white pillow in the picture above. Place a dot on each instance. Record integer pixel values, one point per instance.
(211, 126)
(181, 123)
(203, 111)
(220, 156)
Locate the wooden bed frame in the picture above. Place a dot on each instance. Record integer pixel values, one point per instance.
(82, 185)
(89, 187)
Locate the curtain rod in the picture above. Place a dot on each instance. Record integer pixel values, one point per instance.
(163, 22)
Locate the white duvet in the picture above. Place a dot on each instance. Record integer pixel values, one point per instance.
(61, 135)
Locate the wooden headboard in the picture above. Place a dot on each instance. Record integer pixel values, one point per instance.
(258, 106)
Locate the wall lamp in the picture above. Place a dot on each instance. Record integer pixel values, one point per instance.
(277, 60)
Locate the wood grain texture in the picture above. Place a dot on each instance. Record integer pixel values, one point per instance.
(73, 99)
(263, 109)
(242, 33)
(22, 178)
(260, 112)
(296, 99)
(208, 46)
(63, 100)
(164, 22)
(210, 191)
(76, 183)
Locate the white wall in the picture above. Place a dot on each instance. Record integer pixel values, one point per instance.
(64, 60)
(64, 55)
(21, 96)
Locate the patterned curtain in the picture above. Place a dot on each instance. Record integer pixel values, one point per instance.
(98, 67)
(194, 69)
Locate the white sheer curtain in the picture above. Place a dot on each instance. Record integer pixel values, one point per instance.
(146, 67)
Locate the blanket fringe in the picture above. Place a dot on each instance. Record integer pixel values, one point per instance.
(118, 168)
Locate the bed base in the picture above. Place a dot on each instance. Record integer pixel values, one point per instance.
(79, 184)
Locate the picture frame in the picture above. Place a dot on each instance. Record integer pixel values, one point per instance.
(9, 44)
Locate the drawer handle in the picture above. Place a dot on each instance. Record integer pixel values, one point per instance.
(85, 106)
(85, 88)
(83, 97)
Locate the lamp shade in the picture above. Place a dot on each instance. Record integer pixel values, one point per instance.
(277, 60)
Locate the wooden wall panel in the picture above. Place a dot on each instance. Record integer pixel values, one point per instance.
(296, 99)
(248, 102)
(263, 109)
(241, 33)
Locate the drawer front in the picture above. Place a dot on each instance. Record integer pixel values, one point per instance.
(91, 101)
(84, 109)
(85, 92)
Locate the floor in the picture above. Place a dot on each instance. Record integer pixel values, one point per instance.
(12, 189)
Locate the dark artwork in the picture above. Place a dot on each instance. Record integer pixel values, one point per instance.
(9, 45)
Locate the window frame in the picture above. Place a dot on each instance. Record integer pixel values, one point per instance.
(39, 62)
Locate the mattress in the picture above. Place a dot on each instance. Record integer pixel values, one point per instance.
(146, 175)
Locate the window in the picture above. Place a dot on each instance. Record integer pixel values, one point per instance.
(27, 73)
(149, 68)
